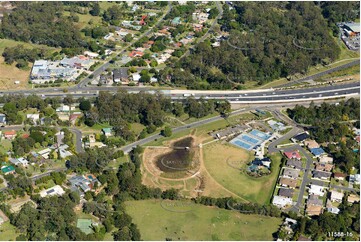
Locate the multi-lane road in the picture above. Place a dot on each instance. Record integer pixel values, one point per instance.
(242, 97)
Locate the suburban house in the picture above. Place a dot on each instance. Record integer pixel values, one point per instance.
(287, 182)
(83, 183)
(2, 119)
(65, 108)
(120, 75)
(325, 159)
(285, 192)
(11, 134)
(322, 175)
(300, 137)
(314, 200)
(176, 21)
(8, 170)
(73, 117)
(291, 173)
(313, 210)
(339, 176)
(63, 153)
(311, 144)
(35, 117)
(355, 179)
(55, 190)
(324, 167)
(45, 153)
(293, 155)
(316, 190)
(136, 77)
(317, 152)
(336, 196)
(19, 161)
(294, 163)
(107, 131)
(281, 202)
(352, 198)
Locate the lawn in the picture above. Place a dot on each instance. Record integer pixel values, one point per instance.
(217, 158)
(5, 145)
(10, 73)
(198, 222)
(8, 232)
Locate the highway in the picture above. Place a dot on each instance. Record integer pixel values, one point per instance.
(242, 97)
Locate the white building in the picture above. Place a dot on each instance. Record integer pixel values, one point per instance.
(336, 196)
(45, 153)
(281, 202)
(34, 117)
(316, 190)
(55, 190)
(325, 159)
(19, 161)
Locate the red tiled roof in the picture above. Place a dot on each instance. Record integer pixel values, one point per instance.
(292, 154)
(25, 136)
(11, 132)
(339, 174)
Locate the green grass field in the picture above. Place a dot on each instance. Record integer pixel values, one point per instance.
(8, 232)
(198, 222)
(253, 189)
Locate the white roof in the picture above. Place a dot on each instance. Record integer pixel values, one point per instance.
(325, 159)
(281, 201)
(55, 190)
(336, 195)
(355, 27)
(136, 77)
(317, 190)
(23, 160)
(45, 151)
(333, 210)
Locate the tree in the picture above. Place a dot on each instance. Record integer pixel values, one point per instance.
(128, 38)
(167, 132)
(85, 105)
(95, 11)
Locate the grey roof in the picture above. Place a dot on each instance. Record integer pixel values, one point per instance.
(294, 163)
(285, 192)
(2, 118)
(314, 200)
(291, 172)
(302, 136)
(320, 174)
(120, 73)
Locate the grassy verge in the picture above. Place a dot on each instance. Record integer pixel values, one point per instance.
(254, 189)
(199, 223)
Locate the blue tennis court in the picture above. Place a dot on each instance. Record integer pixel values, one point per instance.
(260, 134)
(241, 144)
(250, 139)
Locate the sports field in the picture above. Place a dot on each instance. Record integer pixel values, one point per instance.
(159, 220)
(218, 160)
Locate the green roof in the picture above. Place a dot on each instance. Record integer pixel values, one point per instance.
(176, 20)
(107, 130)
(7, 169)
